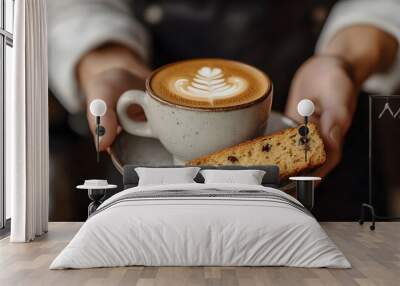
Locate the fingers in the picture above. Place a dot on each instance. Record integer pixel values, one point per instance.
(332, 115)
(302, 89)
(334, 123)
(333, 158)
(291, 109)
(108, 86)
(328, 85)
(332, 128)
(110, 123)
(325, 169)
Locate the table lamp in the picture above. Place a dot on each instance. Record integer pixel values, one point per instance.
(98, 108)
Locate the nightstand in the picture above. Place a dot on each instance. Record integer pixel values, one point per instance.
(96, 191)
(305, 190)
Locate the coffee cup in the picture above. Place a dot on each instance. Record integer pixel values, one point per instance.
(199, 106)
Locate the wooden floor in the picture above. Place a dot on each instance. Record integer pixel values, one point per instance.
(375, 257)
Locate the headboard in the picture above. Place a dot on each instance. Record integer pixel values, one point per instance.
(271, 177)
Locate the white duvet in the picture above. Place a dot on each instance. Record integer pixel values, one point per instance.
(183, 231)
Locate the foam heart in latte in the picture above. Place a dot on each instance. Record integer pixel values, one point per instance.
(209, 83)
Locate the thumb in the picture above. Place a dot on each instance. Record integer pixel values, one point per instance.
(110, 123)
(334, 125)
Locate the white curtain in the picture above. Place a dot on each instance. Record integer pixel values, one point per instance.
(27, 162)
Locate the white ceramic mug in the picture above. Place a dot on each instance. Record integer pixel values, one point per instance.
(189, 132)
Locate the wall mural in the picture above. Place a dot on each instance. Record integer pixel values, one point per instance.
(189, 86)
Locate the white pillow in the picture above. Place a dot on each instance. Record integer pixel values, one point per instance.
(248, 177)
(162, 176)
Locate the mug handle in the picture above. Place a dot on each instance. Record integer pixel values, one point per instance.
(131, 126)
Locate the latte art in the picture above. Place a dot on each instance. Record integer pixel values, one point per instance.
(210, 84)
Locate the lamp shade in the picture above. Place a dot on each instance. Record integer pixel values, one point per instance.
(305, 107)
(98, 107)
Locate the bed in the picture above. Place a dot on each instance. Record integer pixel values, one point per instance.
(201, 224)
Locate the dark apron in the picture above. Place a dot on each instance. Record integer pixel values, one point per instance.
(277, 37)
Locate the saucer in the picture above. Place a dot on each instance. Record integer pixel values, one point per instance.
(131, 149)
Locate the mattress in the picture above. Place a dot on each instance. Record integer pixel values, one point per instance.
(201, 225)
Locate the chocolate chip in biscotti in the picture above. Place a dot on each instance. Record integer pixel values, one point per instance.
(233, 159)
(267, 147)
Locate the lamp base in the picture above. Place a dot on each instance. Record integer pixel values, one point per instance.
(96, 196)
(374, 216)
(362, 217)
(305, 187)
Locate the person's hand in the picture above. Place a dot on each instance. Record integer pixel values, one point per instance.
(332, 79)
(106, 73)
(325, 80)
(109, 86)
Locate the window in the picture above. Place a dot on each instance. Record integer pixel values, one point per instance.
(6, 43)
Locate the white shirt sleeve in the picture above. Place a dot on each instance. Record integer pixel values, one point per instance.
(383, 14)
(77, 26)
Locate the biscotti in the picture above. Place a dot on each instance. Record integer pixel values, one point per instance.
(283, 148)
